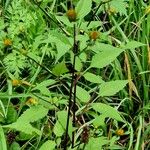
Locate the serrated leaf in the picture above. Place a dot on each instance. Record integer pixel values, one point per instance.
(93, 24)
(24, 137)
(104, 58)
(61, 37)
(96, 143)
(33, 114)
(45, 83)
(30, 115)
(133, 45)
(15, 146)
(99, 47)
(83, 8)
(78, 64)
(119, 6)
(58, 129)
(62, 48)
(93, 78)
(24, 127)
(11, 114)
(107, 110)
(62, 118)
(82, 94)
(42, 87)
(112, 87)
(99, 120)
(3, 145)
(60, 69)
(65, 21)
(48, 145)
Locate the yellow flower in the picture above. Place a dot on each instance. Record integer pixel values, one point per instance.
(94, 35)
(32, 101)
(71, 14)
(7, 42)
(16, 82)
(120, 132)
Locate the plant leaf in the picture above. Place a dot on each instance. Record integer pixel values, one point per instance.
(83, 8)
(30, 115)
(133, 45)
(45, 83)
(33, 114)
(82, 94)
(62, 118)
(93, 78)
(58, 129)
(60, 68)
(112, 87)
(104, 58)
(62, 48)
(48, 145)
(99, 120)
(15, 146)
(3, 145)
(23, 127)
(96, 143)
(42, 87)
(107, 110)
(119, 6)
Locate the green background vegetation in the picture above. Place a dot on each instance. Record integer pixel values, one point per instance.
(100, 49)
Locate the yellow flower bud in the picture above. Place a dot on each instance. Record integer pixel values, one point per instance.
(120, 132)
(94, 35)
(16, 82)
(7, 42)
(112, 10)
(71, 14)
(32, 101)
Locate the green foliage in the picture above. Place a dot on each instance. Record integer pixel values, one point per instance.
(82, 94)
(15, 146)
(60, 69)
(112, 74)
(62, 119)
(107, 111)
(112, 87)
(93, 78)
(30, 115)
(2, 139)
(133, 44)
(42, 87)
(48, 145)
(96, 143)
(119, 6)
(83, 8)
(14, 63)
(104, 58)
(58, 129)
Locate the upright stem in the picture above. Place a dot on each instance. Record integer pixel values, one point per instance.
(71, 89)
(74, 111)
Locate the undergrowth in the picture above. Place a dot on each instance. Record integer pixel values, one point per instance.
(74, 74)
